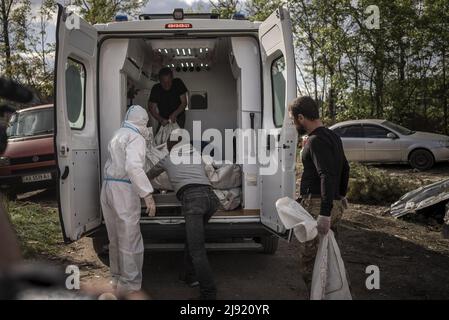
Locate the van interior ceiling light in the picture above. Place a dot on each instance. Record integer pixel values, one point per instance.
(190, 52)
(178, 14)
(183, 52)
(177, 52)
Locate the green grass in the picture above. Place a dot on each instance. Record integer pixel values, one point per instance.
(37, 228)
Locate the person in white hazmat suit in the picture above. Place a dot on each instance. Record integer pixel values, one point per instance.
(124, 183)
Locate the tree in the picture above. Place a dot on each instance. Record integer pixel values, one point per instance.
(259, 10)
(13, 22)
(226, 8)
(103, 11)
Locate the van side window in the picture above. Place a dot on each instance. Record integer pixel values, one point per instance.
(278, 90)
(75, 83)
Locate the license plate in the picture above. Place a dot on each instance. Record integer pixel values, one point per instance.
(36, 177)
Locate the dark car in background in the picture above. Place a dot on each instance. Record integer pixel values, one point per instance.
(28, 162)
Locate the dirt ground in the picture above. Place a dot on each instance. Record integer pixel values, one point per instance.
(412, 257)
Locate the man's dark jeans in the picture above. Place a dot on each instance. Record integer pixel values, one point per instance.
(199, 203)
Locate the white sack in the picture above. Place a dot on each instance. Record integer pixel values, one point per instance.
(164, 132)
(153, 155)
(224, 176)
(329, 276)
(229, 199)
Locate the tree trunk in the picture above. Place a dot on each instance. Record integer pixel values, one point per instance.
(5, 34)
(444, 91)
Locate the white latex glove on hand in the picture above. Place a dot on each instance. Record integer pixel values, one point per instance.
(151, 205)
(323, 224)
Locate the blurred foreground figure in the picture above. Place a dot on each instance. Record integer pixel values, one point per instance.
(9, 246)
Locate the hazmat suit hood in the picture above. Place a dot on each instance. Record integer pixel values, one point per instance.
(137, 117)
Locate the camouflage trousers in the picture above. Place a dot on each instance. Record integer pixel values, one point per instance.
(308, 250)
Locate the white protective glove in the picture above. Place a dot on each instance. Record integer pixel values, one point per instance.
(323, 224)
(151, 205)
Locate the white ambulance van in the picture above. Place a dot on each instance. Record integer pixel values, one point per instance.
(239, 74)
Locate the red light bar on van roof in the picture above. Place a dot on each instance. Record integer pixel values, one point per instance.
(178, 25)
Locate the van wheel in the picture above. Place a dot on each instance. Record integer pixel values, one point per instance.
(100, 247)
(421, 159)
(269, 244)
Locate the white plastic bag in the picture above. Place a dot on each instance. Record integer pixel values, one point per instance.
(153, 155)
(229, 199)
(224, 176)
(329, 276)
(329, 280)
(164, 132)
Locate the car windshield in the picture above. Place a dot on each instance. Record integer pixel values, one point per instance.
(30, 123)
(400, 129)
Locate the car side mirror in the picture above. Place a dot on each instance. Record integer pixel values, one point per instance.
(391, 135)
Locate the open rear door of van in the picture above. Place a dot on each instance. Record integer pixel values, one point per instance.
(279, 88)
(76, 134)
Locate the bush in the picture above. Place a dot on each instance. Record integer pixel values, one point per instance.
(370, 185)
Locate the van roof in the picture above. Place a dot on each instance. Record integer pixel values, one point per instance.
(154, 25)
(42, 106)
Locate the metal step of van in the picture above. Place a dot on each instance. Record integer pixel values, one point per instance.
(165, 200)
(229, 246)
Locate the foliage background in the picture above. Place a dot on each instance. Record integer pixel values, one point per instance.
(397, 72)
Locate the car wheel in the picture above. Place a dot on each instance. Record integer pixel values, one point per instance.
(100, 247)
(421, 159)
(269, 244)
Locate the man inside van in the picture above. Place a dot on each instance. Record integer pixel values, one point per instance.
(168, 99)
(199, 203)
(324, 181)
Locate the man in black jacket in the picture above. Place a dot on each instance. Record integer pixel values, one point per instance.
(324, 181)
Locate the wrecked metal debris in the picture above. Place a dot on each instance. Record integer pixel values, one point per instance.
(421, 198)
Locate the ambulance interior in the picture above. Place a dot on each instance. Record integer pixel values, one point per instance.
(222, 75)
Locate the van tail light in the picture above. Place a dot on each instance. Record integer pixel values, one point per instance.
(178, 25)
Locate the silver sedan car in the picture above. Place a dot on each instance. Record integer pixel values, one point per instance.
(381, 141)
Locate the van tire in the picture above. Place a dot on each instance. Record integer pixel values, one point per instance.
(421, 159)
(270, 244)
(99, 244)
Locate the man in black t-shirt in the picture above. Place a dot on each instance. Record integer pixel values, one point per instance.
(324, 180)
(169, 98)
